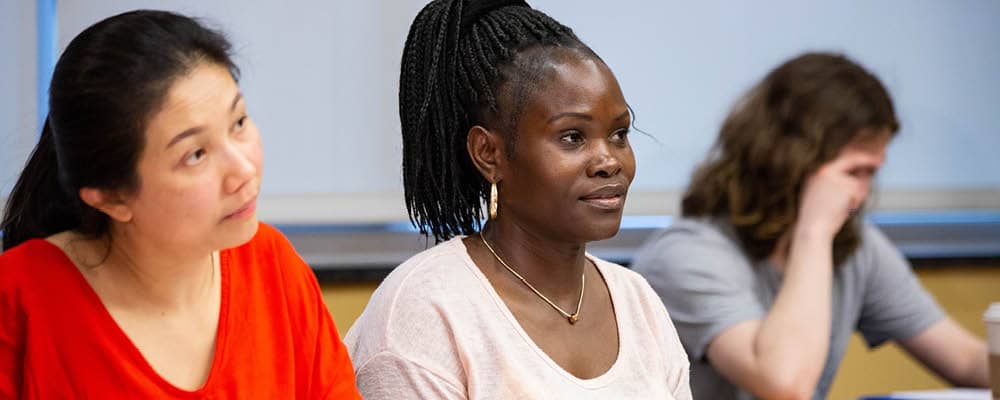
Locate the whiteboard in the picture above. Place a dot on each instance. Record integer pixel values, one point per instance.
(320, 78)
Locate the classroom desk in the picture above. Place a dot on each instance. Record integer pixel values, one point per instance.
(945, 394)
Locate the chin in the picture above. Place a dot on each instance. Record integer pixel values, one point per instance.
(609, 233)
(605, 229)
(240, 233)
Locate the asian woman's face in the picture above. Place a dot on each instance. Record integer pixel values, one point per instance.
(200, 169)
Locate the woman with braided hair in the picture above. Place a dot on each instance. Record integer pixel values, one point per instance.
(501, 104)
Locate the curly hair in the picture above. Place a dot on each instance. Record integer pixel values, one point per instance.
(798, 118)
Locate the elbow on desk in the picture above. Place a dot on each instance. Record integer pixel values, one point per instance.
(783, 385)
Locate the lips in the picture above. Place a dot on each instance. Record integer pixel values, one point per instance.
(248, 208)
(608, 197)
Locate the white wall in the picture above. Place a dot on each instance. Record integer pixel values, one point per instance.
(683, 64)
(17, 89)
(321, 79)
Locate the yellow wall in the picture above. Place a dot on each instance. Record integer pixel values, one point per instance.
(346, 301)
(963, 291)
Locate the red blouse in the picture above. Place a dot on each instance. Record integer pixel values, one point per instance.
(275, 340)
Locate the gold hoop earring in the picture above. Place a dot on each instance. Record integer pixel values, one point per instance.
(494, 203)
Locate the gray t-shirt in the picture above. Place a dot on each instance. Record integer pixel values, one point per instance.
(708, 284)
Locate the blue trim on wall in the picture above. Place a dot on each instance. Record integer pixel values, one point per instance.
(881, 218)
(47, 29)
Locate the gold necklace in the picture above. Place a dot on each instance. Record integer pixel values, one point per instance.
(572, 318)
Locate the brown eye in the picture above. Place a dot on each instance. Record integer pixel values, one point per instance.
(240, 123)
(862, 172)
(194, 157)
(620, 136)
(571, 138)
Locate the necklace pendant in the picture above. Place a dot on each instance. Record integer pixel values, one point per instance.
(573, 318)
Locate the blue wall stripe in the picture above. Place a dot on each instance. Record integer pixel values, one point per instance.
(47, 28)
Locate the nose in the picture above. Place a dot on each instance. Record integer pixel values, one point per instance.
(239, 167)
(604, 161)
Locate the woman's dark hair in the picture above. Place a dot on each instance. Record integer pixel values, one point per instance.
(467, 63)
(797, 119)
(106, 86)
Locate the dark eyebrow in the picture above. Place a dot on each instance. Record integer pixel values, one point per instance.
(198, 129)
(624, 115)
(236, 100)
(189, 132)
(587, 117)
(569, 114)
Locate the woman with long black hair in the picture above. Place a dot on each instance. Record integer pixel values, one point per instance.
(134, 266)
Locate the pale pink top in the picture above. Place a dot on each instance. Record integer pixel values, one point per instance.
(436, 329)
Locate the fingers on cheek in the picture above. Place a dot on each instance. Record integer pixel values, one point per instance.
(857, 200)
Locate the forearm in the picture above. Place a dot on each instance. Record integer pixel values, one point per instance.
(793, 339)
(789, 346)
(952, 352)
(970, 369)
(977, 374)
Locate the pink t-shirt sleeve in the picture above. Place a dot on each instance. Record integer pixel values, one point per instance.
(387, 376)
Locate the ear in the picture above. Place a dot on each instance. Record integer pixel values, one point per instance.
(107, 202)
(488, 152)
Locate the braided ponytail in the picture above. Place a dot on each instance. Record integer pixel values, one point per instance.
(466, 63)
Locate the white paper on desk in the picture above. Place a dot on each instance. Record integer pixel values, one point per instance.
(948, 394)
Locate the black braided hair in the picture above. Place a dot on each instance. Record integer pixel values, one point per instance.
(467, 63)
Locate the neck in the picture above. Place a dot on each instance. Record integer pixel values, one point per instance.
(141, 273)
(551, 265)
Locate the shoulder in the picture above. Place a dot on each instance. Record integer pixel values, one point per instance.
(268, 248)
(429, 279)
(687, 237)
(33, 260)
(430, 293)
(440, 271)
(873, 239)
(268, 266)
(30, 274)
(268, 239)
(683, 230)
(693, 250)
(874, 251)
(877, 258)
